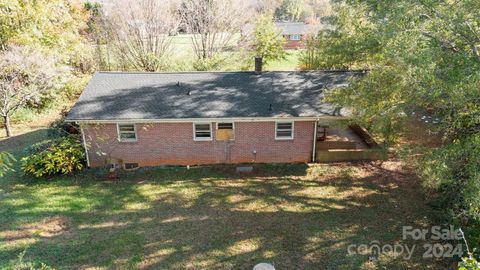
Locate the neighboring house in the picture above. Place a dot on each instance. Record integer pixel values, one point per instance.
(140, 119)
(295, 33)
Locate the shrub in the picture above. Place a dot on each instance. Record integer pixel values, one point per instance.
(58, 156)
(454, 171)
(469, 262)
(60, 128)
(74, 86)
(213, 63)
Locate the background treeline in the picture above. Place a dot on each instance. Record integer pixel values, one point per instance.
(155, 35)
(49, 49)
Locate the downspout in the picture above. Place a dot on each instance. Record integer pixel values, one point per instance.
(314, 149)
(85, 146)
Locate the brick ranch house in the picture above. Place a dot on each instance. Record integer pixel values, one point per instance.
(190, 118)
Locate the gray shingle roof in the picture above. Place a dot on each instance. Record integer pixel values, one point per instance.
(129, 96)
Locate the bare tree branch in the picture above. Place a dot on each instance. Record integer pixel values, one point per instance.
(142, 33)
(213, 24)
(24, 76)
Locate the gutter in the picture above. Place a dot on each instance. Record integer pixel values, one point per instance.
(213, 119)
(85, 146)
(314, 148)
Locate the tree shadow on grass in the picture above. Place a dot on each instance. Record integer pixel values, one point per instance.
(208, 219)
(16, 143)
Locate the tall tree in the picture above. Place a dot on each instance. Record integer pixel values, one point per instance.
(51, 27)
(319, 8)
(424, 62)
(267, 6)
(142, 33)
(99, 34)
(31, 23)
(25, 75)
(213, 24)
(290, 10)
(268, 41)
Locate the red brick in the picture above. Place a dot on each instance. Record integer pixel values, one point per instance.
(172, 143)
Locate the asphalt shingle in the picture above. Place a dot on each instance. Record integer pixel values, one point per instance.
(299, 28)
(150, 96)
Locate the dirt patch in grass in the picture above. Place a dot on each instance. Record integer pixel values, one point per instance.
(52, 226)
(48, 227)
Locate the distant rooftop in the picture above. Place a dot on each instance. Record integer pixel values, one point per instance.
(294, 28)
(150, 96)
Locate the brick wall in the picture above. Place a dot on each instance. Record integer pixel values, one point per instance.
(295, 44)
(172, 143)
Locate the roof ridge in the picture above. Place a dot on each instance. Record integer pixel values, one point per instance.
(168, 72)
(234, 72)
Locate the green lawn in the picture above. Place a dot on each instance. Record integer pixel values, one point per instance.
(291, 62)
(294, 216)
(182, 56)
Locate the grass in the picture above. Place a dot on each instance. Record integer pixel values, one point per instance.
(182, 57)
(291, 62)
(295, 216)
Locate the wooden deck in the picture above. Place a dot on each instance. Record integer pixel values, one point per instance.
(346, 144)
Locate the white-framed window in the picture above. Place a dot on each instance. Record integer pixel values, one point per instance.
(225, 131)
(202, 131)
(127, 132)
(284, 130)
(295, 37)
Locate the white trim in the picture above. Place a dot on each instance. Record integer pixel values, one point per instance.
(85, 146)
(295, 37)
(285, 138)
(127, 140)
(202, 139)
(225, 119)
(226, 122)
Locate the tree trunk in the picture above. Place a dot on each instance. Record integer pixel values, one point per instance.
(204, 37)
(6, 123)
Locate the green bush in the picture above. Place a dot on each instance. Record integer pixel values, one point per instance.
(74, 86)
(58, 156)
(60, 128)
(468, 263)
(454, 171)
(213, 63)
(24, 115)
